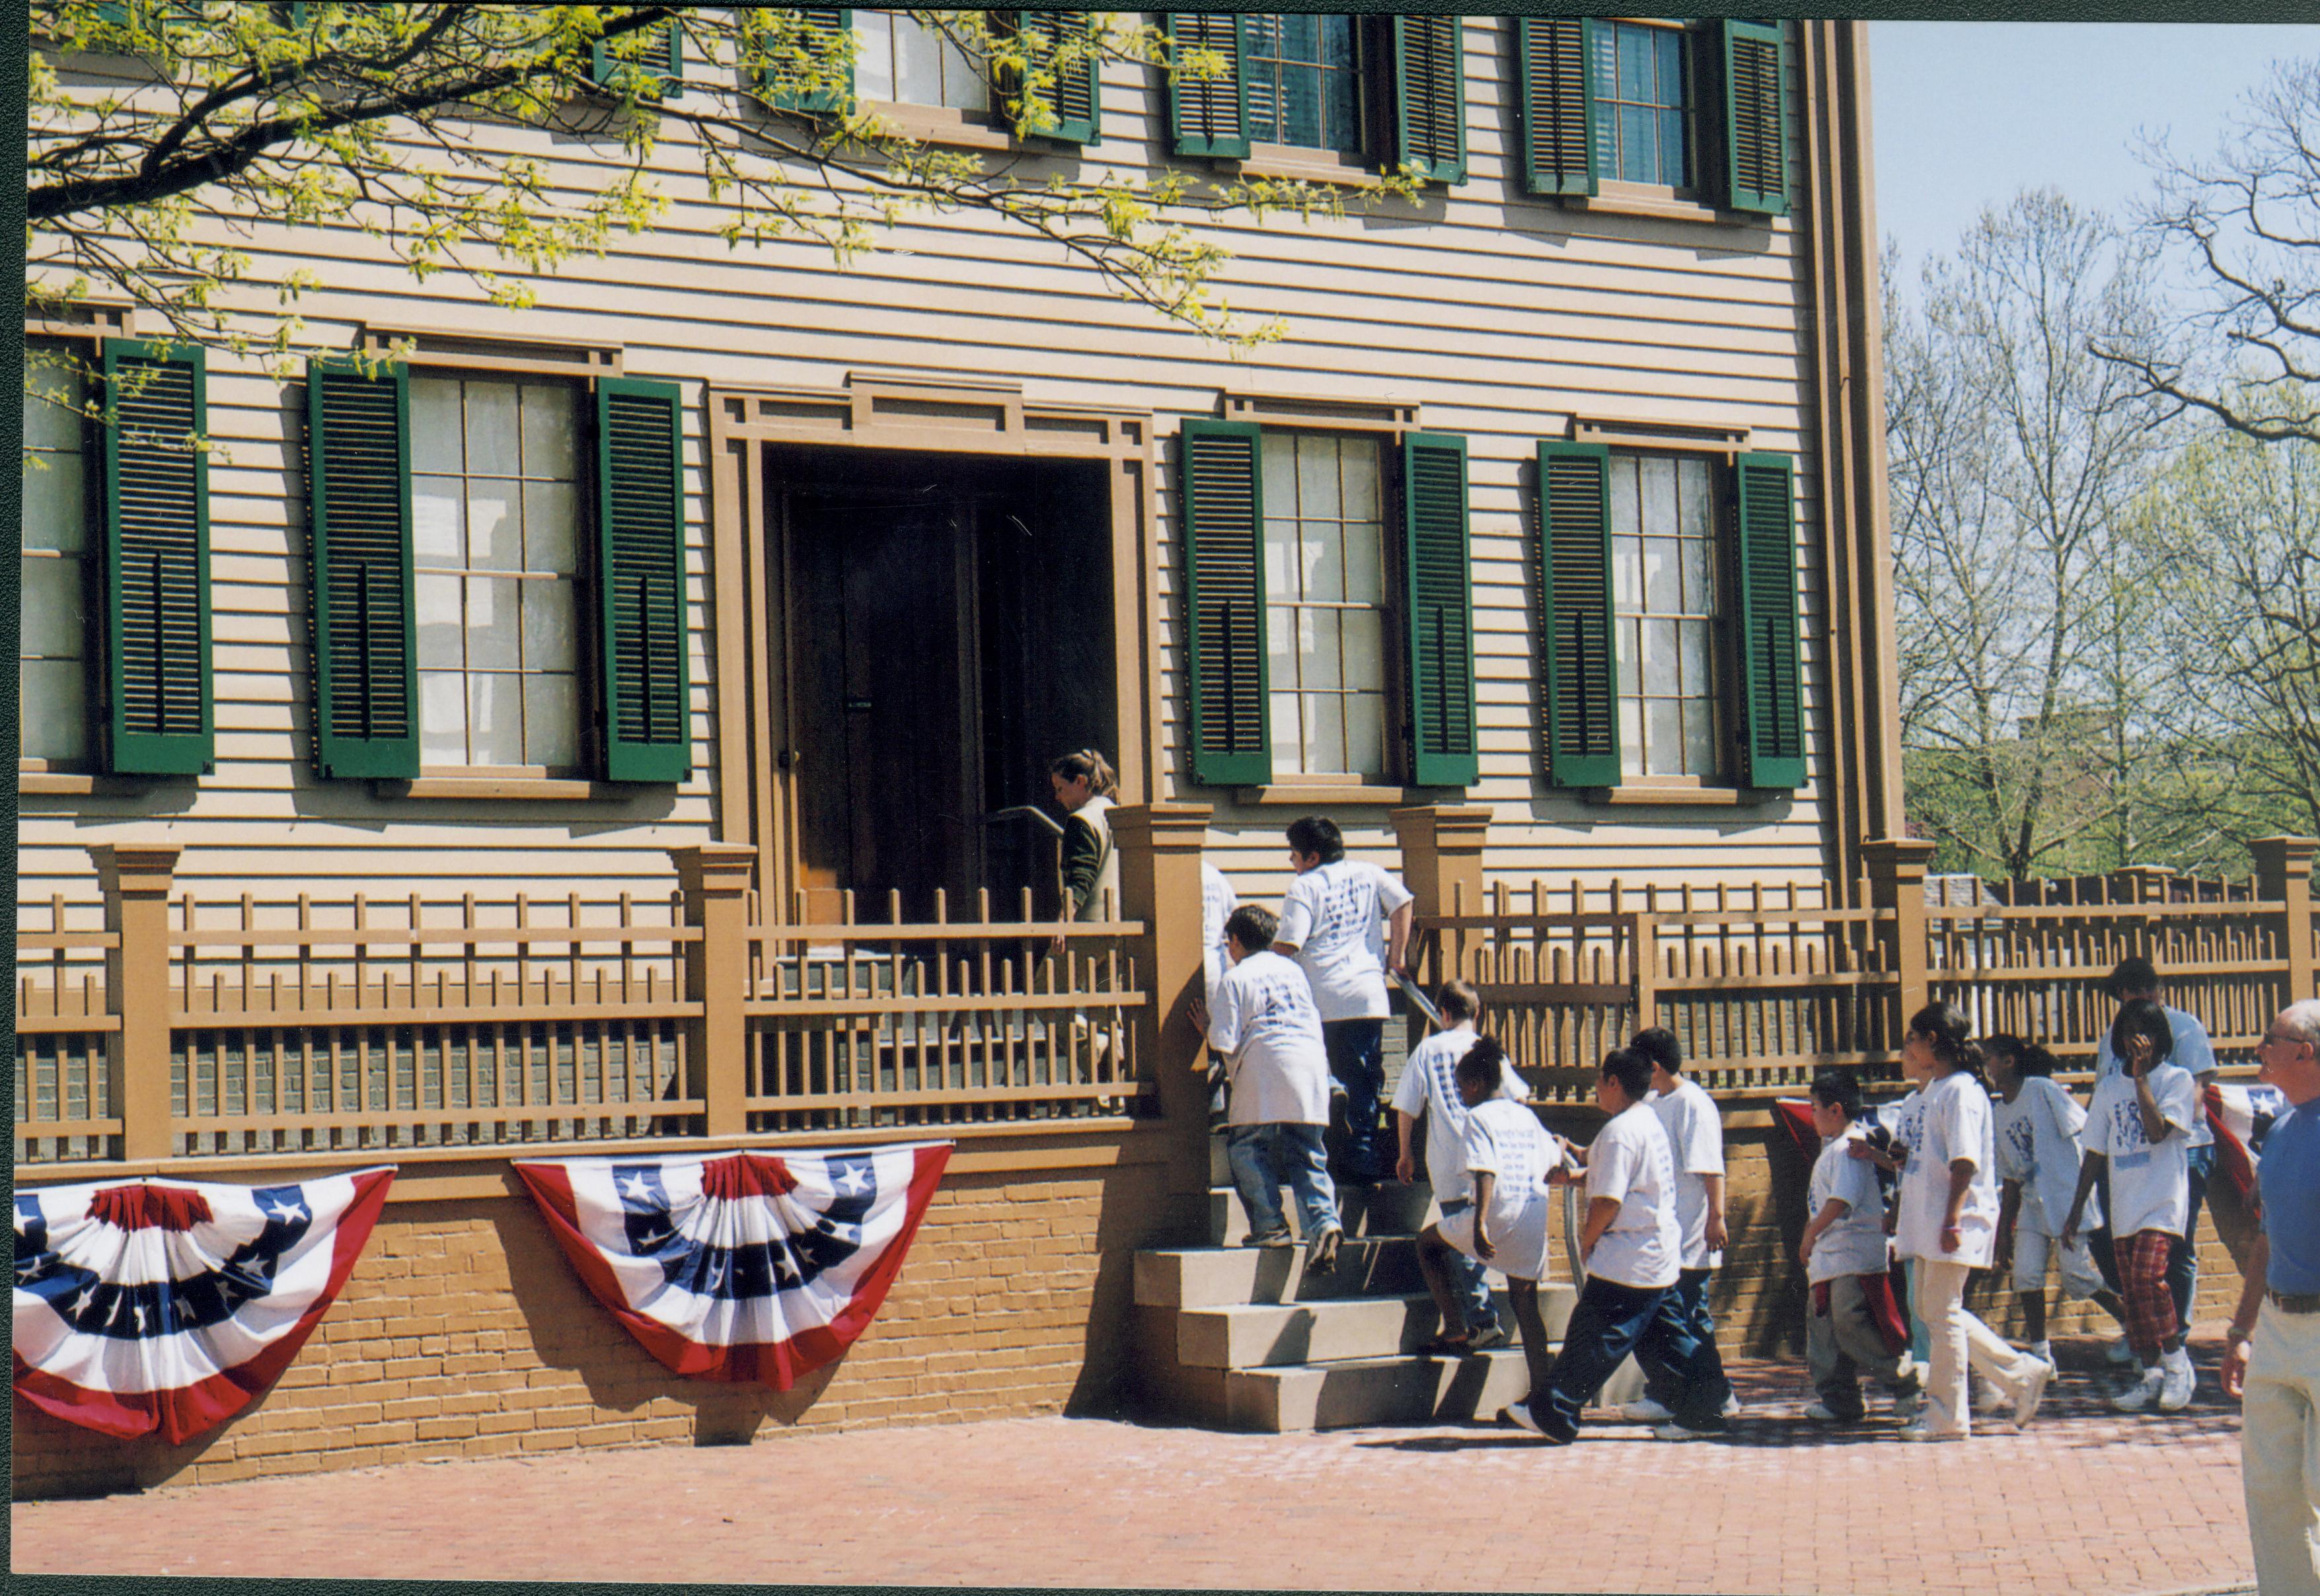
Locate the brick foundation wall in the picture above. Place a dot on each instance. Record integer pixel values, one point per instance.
(462, 1332)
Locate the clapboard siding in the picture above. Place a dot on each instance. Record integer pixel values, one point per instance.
(1501, 315)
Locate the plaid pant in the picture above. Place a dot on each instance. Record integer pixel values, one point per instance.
(2150, 1319)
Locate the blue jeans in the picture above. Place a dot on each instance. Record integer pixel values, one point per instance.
(1608, 1321)
(1356, 1049)
(1264, 1157)
(1687, 1356)
(2183, 1262)
(1471, 1281)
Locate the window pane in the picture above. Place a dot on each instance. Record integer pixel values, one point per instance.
(495, 718)
(1325, 562)
(1691, 496)
(1364, 648)
(549, 630)
(441, 635)
(493, 541)
(53, 622)
(492, 622)
(1300, 105)
(1623, 655)
(437, 507)
(491, 431)
(1623, 497)
(56, 505)
(918, 64)
(552, 514)
(1657, 473)
(873, 55)
(1282, 574)
(1280, 646)
(1636, 65)
(1365, 554)
(435, 424)
(964, 87)
(1317, 479)
(1663, 723)
(1278, 453)
(1635, 164)
(1693, 637)
(53, 717)
(1288, 738)
(1662, 584)
(1660, 663)
(1674, 169)
(1318, 640)
(1325, 733)
(1360, 478)
(1631, 737)
(1697, 598)
(1699, 739)
(550, 432)
(1626, 574)
(442, 718)
(551, 721)
(1365, 735)
(53, 419)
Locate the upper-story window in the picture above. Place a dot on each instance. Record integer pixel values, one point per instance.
(1304, 83)
(52, 679)
(900, 59)
(495, 541)
(1325, 603)
(1663, 598)
(1641, 103)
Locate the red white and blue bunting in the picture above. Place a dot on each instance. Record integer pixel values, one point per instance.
(168, 1305)
(752, 1266)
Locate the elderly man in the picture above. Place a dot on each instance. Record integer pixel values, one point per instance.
(2272, 1356)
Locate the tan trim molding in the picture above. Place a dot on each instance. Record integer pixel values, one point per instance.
(496, 351)
(1622, 434)
(1335, 412)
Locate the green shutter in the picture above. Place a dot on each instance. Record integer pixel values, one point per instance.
(1208, 116)
(662, 62)
(1223, 524)
(1076, 98)
(1558, 111)
(824, 34)
(1771, 700)
(1442, 743)
(1429, 76)
(642, 700)
(157, 561)
(1582, 676)
(1756, 119)
(359, 475)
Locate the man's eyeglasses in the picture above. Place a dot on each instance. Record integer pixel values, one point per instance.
(2271, 1037)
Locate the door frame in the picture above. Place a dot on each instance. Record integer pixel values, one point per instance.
(898, 413)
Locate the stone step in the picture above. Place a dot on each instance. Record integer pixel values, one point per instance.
(1373, 1391)
(1223, 1276)
(1250, 1336)
(1387, 1209)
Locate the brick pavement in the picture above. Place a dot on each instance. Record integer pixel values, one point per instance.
(1784, 1505)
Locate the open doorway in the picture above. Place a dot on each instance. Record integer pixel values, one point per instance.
(947, 625)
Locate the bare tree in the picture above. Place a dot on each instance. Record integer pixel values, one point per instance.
(2013, 453)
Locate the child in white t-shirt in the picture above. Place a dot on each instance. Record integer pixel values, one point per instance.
(1507, 1156)
(2138, 1130)
(2037, 1132)
(1429, 1087)
(1854, 1323)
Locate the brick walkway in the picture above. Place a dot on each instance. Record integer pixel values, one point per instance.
(1783, 1505)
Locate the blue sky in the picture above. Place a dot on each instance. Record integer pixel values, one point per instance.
(1968, 114)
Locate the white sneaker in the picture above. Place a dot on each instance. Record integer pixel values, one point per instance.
(1822, 1413)
(1921, 1432)
(2119, 1352)
(1673, 1431)
(1518, 1415)
(1731, 1409)
(2033, 1387)
(2044, 1352)
(2141, 1395)
(1988, 1397)
(2177, 1380)
(1645, 1411)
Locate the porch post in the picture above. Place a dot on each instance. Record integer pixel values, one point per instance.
(1442, 866)
(716, 880)
(1160, 885)
(1896, 881)
(136, 877)
(2283, 875)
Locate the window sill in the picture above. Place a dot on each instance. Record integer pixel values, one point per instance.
(1647, 792)
(1314, 795)
(507, 789)
(79, 784)
(940, 124)
(1655, 200)
(1292, 163)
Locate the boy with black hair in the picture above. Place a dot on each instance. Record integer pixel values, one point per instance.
(1853, 1321)
(1696, 1137)
(1429, 1086)
(1630, 1244)
(1330, 923)
(1509, 1156)
(1260, 1021)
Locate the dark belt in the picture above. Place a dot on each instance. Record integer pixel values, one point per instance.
(2295, 1301)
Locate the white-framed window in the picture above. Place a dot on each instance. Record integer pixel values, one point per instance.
(1303, 71)
(52, 670)
(1664, 601)
(1326, 603)
(1641, 82)
(496, 529)
(899, 58)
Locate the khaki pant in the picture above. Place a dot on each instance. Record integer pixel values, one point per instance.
(1959, 1340)
(2279, 1452)
(1842, 1345)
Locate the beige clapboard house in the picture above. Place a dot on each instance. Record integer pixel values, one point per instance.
(596, 730)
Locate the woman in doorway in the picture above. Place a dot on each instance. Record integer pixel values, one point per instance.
(1084, 787)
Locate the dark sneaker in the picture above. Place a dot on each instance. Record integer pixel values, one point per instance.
(1483, 1339)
